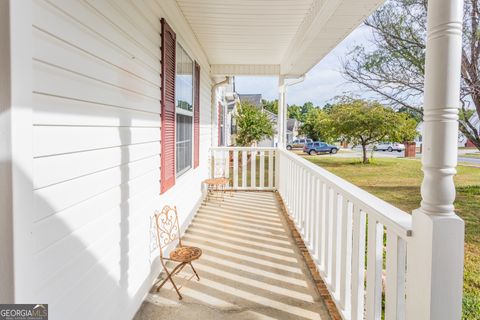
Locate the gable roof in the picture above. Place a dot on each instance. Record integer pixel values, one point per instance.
(254, 99)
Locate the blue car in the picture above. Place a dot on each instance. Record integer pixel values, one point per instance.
(318, 147)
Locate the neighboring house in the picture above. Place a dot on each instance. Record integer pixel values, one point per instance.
(110, 110)
(461, 141)
(292, 129)
(270, 141)
(254, 99)
(292, 124)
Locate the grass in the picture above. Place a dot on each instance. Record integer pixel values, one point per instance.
(397, 181)
(471, 155)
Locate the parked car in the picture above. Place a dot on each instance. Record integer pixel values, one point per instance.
(317, 147)
(389, 146)
(298, 143)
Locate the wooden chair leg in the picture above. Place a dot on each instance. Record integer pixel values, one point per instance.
(195, 271)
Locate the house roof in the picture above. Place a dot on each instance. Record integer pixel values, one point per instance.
(271, 37)
(255, 99)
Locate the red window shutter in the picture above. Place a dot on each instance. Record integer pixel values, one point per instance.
(167, 162)
(196, 117)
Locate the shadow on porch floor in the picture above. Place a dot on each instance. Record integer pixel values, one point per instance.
(250, 267)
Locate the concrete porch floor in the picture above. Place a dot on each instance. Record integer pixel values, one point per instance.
(251, 267)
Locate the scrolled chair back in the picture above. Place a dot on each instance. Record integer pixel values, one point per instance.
(168, 228)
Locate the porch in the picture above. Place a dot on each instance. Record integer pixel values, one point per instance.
(354, 242)
(251, 267)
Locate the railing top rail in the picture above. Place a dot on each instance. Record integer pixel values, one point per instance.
(387, 214)
(243, 148)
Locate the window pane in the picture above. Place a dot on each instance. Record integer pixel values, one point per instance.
(184, 143)
(184, 80)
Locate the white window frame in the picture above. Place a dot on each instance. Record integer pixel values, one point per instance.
(185, 112)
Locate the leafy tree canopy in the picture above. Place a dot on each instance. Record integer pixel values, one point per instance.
(271, 106)
(366, 122)
(318, 126)
(295, 112)
(253, 125)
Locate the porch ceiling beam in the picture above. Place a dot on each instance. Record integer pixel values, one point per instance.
(314, 21)
(245, 69)
(326, 25)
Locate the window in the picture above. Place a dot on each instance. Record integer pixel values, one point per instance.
(184, 108)
(184, 143)
(184, 80)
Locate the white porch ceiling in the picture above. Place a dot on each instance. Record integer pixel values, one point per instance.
(286, 36)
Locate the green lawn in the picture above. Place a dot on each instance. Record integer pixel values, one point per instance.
(397, 181)
(471, 155)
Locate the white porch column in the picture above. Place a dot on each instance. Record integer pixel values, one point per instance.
(435, 254)
(281, 125)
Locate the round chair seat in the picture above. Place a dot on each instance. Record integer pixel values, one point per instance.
(185, 254)
(216, 181)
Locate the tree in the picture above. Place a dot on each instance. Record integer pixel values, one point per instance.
(306, 108)
(394, 69)
(271, 106)
(327, 108)
(295, 112)
(318, 126)
(412, 114)
(405, 129)
(253, 124)
(362, 123)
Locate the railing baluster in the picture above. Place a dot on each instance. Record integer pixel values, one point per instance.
(345, 255)
(253, 168)
(358, 263)
(235, 169)
(374, 269)
(244, 169)
(316, 218)
(303, 201)
(322, 226)
(395, 278)
(328, 233)
(308, 222)
(270, 169)
(227, 164)
(295, 192)
(335, 234)
(262, 170)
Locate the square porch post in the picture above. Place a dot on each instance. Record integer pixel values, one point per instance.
(281, 120)
(435, 251)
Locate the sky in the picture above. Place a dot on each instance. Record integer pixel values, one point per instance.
(322, 83)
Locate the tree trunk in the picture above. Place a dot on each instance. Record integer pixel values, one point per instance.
(364, 150)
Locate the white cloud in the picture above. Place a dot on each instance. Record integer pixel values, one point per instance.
(323, 82)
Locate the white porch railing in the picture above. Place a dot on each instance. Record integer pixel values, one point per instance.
(247, 168)
(343, 227)
(358, 241)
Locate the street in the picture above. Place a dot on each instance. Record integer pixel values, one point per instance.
(357, 153)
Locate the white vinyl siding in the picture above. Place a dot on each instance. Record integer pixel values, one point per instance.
(96, 154)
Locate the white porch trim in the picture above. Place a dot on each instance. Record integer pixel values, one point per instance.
(245, 69)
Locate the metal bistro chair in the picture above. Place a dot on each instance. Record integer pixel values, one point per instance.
(168, 231)
(219, 183)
